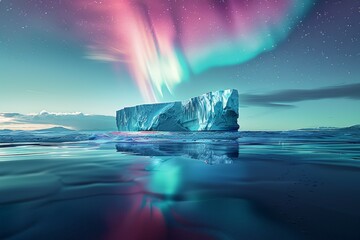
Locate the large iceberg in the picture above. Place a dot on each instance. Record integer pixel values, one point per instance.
(213, 111)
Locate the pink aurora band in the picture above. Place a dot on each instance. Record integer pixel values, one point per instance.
(163, 42)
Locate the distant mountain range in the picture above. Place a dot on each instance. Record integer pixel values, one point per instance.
(55, 129)
(351, 128)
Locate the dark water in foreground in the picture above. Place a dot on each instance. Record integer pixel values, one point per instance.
(247, 185)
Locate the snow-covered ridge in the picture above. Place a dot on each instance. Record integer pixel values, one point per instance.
(213, 111)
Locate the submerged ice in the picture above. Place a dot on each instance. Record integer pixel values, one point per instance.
(213, 111)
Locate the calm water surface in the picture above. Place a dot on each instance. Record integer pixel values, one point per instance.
(247, 185)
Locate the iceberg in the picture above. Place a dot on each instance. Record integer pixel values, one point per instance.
(213, 111)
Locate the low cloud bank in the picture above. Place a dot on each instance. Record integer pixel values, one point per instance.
(285, 97)
(75, 121)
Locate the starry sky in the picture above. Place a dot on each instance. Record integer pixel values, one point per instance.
(295, 63)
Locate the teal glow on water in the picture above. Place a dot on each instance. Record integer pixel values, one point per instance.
(246, 185)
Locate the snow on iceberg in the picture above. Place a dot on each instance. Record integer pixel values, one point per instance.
(213, 111)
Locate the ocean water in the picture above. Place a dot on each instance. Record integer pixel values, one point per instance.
(239, 185)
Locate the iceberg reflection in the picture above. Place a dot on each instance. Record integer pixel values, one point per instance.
(210, 153)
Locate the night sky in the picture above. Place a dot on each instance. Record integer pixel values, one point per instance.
(295, 63)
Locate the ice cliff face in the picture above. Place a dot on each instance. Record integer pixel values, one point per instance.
(213, 111)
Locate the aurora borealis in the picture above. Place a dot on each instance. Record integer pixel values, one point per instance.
(99, 56)
(179, 119)
(162, 42)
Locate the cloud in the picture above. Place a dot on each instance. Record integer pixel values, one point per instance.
(283, 98)
(76, 121)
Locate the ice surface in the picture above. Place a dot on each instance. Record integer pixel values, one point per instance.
(267, 185)
(53, 135)
(213, 111)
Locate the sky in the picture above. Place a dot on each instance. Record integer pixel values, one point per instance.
(295, 63)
